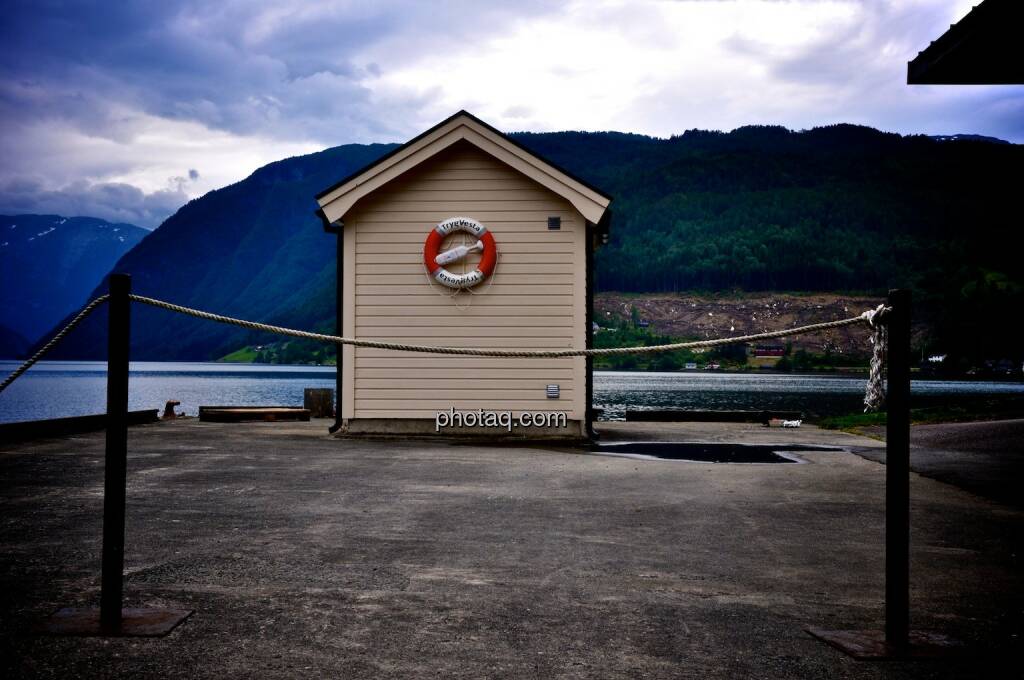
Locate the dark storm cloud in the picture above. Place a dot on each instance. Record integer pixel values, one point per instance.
(290, 72)
(116, 202)
(298, 73)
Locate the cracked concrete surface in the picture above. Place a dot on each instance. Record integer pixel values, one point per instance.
(306, 556)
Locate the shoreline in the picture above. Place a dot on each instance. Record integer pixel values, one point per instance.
(63, 388)
(850, 372)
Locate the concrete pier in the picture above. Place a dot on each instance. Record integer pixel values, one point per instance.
(307, 556)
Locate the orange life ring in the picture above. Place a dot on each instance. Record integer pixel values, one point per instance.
(435, 261)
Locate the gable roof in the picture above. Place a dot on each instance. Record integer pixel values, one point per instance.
(983, 48)
(335, 201)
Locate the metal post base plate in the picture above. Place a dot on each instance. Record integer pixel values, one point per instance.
(134, 623)
(871, 644)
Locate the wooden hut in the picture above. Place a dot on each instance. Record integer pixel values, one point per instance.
(462, 237)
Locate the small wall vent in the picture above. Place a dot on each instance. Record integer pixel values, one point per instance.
(553, 392)
(554, 223)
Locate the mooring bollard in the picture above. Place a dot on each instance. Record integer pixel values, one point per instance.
(319, 401)
(116, 460)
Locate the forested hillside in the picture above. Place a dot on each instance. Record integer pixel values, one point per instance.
(763, 208)
(839, 208)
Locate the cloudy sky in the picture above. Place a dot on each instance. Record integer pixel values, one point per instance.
(126, 110)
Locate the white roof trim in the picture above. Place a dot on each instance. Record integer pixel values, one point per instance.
(340, 200)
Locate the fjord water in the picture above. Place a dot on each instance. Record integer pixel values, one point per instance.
(814, 395)
(55, 389)
(58, 388)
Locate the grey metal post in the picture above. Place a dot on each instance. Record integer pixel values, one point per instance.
(897, 473)
(116, 461)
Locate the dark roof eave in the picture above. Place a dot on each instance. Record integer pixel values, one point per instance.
(977, 50)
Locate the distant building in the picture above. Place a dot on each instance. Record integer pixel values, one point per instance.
(769, 351)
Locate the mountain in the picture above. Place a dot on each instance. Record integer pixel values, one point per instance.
(976, 138)
(49, 264)
(12, 345)
(838, 208)
(252, 249)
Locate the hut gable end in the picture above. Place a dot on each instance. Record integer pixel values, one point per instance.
(336, 201)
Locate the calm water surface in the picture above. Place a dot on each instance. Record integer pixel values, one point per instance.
(58, 388)
(815, 395)
(53, 389)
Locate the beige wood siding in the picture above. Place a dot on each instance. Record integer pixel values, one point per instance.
(535, 300)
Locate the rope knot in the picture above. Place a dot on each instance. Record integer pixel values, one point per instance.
(875, 317)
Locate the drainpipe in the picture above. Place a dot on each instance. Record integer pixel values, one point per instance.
(337, 228)
(597, 235)
(588, 418)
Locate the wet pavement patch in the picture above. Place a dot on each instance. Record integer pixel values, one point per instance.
(708, 453)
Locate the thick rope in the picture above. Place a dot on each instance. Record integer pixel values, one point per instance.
(874, 392)
(86, 311)
(875, 318)
(866, 317)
